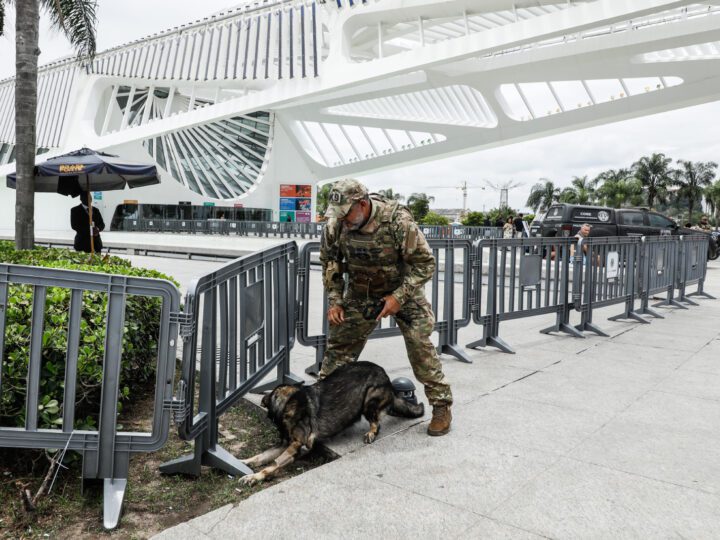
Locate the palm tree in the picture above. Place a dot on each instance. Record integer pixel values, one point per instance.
(582, 191)
(542, 195)
(419, 204)
(618, 188)
(655, 174)
(391, 195)
(691, 178)
(322, 198)
(712, 198)
(76, 19)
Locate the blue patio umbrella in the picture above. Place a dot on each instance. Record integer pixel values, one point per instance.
(89, 170)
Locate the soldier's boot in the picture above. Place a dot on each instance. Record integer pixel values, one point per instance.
(441, 419)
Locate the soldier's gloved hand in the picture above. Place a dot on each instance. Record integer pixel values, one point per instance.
(392, 306)
(336, 315)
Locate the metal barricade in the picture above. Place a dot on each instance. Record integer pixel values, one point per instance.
(526, 277)
(216, 226)
(447, 321)
(152, 225)
(132, 224)
(240, 326)
(693, 266)
(199, 226)
(105, 451)
(185, 225)
(170, 225)
(605, 272)
(658, 272)
(234, 227)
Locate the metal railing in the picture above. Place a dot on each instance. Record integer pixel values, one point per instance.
(525, 277)
(105, 451)
(239, 326)
(443, 300)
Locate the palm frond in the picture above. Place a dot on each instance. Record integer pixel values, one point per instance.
(77, 19)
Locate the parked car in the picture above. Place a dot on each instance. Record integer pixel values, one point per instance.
(566, 219)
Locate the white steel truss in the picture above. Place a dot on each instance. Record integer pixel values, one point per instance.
(282, 91)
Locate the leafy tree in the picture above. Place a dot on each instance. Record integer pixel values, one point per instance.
(619, 188)
(322, 198)
(76, 19)
(473, 219)
(431, 218)
(691, 178)
(419, 205)
(543, 195)
(655, 175)
(712, 198)
(581, 191)
(391, 195)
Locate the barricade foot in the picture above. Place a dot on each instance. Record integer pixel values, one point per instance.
(565, 328)
(686, 300)
(631, 315)
(314, 370)
(219, 458)
(496, 342)
(186, 465)
(455, 352)
(670, 303)
(651, 312)
(113, 495)
(590, 327)
(703, 294)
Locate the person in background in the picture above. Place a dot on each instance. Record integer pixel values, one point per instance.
(704, 225)
(509, 228)
(518, 222)
(79, 222)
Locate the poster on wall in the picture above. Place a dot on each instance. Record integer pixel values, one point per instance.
(296, 202)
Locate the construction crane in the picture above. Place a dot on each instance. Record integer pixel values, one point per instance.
(462, 187)
(503, 189)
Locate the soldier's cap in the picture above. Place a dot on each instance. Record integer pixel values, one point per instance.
(343, 195)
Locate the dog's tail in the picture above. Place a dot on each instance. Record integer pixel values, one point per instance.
(402, 407)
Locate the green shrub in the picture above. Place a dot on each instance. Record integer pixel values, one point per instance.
(473, 219)
(431, 218)
(140, 338)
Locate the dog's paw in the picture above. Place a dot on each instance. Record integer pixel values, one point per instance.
(252, 479)
(369, 437)
(250, 462)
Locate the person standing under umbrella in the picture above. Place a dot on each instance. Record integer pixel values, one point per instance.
(79, 221)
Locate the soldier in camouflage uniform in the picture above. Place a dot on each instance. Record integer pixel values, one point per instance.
(386, 257)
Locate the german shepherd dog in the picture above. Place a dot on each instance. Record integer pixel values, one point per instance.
(305, 414)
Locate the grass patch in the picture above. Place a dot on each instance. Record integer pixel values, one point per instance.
(153, 501)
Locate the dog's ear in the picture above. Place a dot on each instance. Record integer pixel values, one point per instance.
(265, 402)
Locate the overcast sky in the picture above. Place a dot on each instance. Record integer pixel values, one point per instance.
(691, 133)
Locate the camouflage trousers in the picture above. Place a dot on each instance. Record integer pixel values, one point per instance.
(416, 320)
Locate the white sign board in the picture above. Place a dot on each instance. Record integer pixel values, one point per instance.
(612, 264)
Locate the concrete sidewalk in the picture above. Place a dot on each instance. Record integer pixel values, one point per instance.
(568, 438)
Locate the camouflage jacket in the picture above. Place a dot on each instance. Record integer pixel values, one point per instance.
(388, 255)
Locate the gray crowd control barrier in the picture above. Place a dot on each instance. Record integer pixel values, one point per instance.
(105, 451)
(606, 272)
(693, 267)
(525, 277)
(447, 320)
(239, 326)
(658, 273)
(460, 232)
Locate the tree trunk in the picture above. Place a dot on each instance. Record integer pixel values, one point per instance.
(27, 24)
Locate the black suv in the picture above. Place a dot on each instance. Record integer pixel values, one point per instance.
(566, 220)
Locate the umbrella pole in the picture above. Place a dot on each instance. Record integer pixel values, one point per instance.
(90, 221)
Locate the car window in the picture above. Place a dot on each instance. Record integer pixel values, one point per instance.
(631, 218)
(656, 220)
(554, 214)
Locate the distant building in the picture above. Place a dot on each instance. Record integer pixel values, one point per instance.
(453, 214)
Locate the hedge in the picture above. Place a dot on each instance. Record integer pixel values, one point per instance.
(142, 316)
